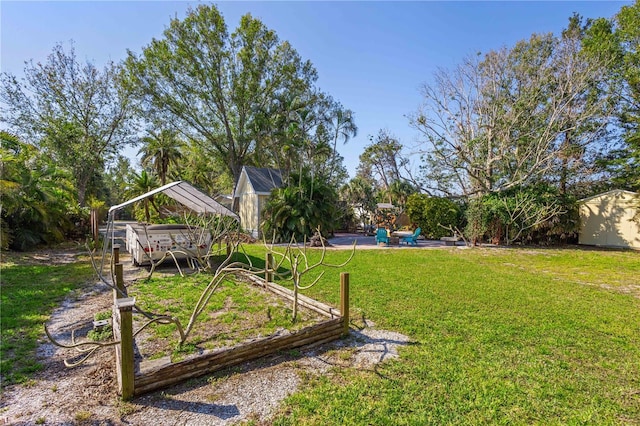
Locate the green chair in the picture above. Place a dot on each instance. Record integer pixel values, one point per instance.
(381, 236)
(413, 239)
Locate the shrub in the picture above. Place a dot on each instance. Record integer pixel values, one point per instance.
(485, 219)
(300, 208)
(533, 215)
(433, 214)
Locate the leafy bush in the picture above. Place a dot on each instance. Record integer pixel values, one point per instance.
(433, 214)
(485, 219)
(535, 215)
(106, 333)
(37, 196)
(102, 315)
(300, 208)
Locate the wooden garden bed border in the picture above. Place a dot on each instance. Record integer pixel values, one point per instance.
(162, 373)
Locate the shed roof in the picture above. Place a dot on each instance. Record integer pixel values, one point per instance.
(608, 193)
(263, 179)
(185, 194)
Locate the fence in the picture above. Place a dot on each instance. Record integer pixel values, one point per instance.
(163, 373)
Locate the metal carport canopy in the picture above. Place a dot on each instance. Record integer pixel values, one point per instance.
(187, 195)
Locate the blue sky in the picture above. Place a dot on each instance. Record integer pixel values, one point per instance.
(373, 57)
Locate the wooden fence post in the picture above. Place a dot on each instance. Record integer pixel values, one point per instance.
(268, 275)
(344, 301)
(121, 289)
(93, 218)
(118, 271)
(116, 254)
(126, 372)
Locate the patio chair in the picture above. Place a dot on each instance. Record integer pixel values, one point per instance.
(412, 239)
(381, 236)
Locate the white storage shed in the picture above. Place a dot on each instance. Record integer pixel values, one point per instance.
(607, 220)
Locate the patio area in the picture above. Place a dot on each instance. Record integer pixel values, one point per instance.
(345, 240)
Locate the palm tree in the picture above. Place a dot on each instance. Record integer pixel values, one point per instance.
(399, 191)
(361, 193)
(9, 188)
(159, 151)
(279, 137)
(141, 184)
(36, 196)
(343, 127)
(298, 209)
(206, 171)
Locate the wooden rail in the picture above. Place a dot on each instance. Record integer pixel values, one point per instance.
(169, 373)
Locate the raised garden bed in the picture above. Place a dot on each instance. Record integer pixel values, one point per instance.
(244, 321)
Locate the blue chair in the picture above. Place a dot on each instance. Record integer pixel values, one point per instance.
(413, 239)
(381, 236)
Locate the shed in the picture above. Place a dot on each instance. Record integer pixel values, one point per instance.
(254, 188)
(607, 220)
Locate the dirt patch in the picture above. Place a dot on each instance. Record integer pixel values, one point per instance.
(50, 257)
(58, 394)
(252, 391)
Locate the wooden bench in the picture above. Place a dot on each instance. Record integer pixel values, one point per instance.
(450, 241)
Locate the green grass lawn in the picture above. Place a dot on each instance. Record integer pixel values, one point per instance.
(501, 337)
(542, 336)
(28, 295)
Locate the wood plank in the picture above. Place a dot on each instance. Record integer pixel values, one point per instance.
(165, 375)
(303, 300)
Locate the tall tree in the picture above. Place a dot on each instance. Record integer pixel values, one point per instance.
(618, 41)
(116, 179)
(160, 150)
(382, 161)
(213, 84)
(498, 121)
(279, 141)
(141, 183)
(587, 113)
(341, 127)
(80, 114)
